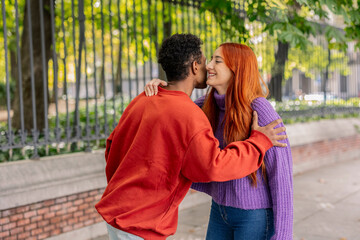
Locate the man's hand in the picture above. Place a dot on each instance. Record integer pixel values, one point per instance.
(270, 131)
(151, 88)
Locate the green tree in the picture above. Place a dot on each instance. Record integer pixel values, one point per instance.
(291, 23)
(38, 70)
(112, 31)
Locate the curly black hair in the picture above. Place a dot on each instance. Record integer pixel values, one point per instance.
(177, 53)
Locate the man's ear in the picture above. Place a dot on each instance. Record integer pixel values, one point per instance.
(194, 67)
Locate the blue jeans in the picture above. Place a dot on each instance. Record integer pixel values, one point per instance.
(228, 223)
(117, 234)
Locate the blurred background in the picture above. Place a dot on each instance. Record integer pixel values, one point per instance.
(69, 68)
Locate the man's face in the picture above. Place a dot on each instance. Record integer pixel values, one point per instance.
(202, 74)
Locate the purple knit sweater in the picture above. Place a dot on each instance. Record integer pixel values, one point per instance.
(276, 193)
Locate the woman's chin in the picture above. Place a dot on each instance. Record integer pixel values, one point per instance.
(208, 82)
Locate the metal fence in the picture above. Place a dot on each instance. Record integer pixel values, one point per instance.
(69, 68)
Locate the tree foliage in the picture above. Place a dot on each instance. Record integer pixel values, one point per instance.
(293, 21)
(293, 24)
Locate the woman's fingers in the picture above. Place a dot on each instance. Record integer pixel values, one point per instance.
(163, 83)
(148, 89)
(151, 88)
(154, 89)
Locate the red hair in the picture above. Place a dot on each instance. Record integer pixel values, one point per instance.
(243, 88)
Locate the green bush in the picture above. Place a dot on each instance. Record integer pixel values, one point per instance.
(64, 147)
(288, 110)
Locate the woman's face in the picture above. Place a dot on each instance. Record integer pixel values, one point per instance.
(219, 75)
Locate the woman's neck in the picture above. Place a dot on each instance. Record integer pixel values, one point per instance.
(221, 90)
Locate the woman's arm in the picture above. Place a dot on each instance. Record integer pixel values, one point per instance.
(278, 162)
(151, 88)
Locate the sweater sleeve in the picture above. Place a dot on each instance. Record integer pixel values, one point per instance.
(205, 162)
(200, 101)
(278, 162)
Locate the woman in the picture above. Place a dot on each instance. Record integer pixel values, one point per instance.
(259, 206)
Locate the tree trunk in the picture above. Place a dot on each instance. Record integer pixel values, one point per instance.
(277, 71)
(52, 99)
(118, 78)
(13, 65)
(102, 81)
(13, 70)
(167, 33)
(38, 67)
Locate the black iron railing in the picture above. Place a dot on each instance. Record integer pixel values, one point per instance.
(70, 67)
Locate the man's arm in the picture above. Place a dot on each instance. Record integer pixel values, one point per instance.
(205, 162)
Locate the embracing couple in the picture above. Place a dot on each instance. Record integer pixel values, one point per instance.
(230, 144)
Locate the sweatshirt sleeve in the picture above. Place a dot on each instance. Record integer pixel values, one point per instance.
(278, 162)
(205, 162)
(108, 145)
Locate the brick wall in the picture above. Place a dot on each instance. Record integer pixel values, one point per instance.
(51, 217)
(325, 149)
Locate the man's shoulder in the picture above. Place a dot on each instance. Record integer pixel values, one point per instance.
(174, 116)
(184, 107)
(182, 111)
(176, 107)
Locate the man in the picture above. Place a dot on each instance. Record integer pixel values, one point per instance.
(164, 143)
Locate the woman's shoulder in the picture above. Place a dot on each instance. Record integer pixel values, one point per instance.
(261, 102)
(265, 110)
(200, 101)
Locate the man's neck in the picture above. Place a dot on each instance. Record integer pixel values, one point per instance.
(185, 86)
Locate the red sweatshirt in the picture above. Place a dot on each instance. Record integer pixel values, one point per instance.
(161, 145)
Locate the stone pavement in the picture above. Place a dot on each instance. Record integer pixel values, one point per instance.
(326, 206)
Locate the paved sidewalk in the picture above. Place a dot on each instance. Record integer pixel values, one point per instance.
(326, 206)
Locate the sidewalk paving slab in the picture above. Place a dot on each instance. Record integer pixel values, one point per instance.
(326, 206)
